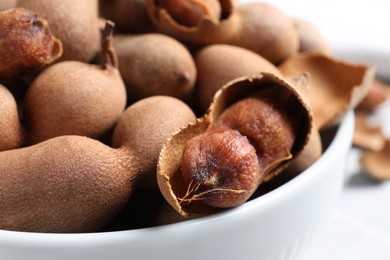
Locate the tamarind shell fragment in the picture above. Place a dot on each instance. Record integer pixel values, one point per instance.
(336, 85)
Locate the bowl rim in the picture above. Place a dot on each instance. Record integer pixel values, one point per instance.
(343, 132)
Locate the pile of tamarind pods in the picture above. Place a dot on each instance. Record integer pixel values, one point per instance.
(197, 102)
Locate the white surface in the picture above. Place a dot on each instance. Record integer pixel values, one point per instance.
(359, 227)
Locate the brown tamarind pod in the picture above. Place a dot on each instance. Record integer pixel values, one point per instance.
(129, 16)
(11, 132)
(310, 38)
(252, 130)
(266, 30)
(7, 4)
(164, 115)
(217, 65)
(73, 97)
(78, 184)
(74, 22)
(26, 43)
(168, 63)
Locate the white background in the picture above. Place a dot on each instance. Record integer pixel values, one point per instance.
(359, 225)
(354, 29)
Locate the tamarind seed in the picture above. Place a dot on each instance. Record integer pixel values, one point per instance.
(220, 168)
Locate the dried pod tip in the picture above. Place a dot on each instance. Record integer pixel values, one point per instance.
(220, 168)
(190, 12)
(107, 53)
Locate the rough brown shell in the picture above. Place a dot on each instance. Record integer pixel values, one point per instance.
(129, 16)
(73, 97)
(11, 134)
(155, 64)
(87, 103)
(74, 22)
(266, 30)
(169, 175)
(310, 38)
(147, 141)
(217, 65)
(78, 184)
(336, 86)
(7, 4)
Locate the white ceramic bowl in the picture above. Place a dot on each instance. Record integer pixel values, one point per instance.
(277, 225)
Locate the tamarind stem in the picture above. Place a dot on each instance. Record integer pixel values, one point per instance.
(107, 53)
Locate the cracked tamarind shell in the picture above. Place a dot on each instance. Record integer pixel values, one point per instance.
(26, 43)
(259, 27)
(169, 176)
(11, 133)
(336, 85)
(313, 149)
(74, 22)
(208, 30)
